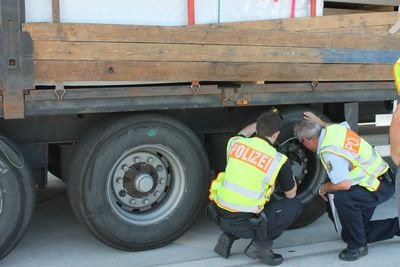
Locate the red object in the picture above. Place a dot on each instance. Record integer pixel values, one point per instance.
(313, 8)
(191, 20)
(293, 10)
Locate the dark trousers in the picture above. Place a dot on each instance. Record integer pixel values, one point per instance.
(280, 215)
(355, 208)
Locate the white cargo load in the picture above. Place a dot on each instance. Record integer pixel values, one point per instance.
(167, 12)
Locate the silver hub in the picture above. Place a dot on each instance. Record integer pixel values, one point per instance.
(139, 180)
(146, 184)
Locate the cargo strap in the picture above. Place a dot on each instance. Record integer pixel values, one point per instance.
(191, 17)
(293, 10)
(313, 8)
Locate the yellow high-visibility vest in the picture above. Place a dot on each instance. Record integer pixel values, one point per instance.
(396, 75)
(249, 177)
(366, 164)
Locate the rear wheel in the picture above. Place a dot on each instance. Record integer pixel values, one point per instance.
(306, 166)
(139, 183)
(17, 196)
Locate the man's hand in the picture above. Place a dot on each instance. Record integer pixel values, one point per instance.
(323, 191)
(332, 188)
(308, 115)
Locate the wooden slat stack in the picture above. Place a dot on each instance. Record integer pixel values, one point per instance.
(340, 7)
(353, 47)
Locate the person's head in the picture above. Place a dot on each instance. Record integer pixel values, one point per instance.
(269, 125)
(308, 134)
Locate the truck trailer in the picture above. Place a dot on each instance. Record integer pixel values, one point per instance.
(135, 118)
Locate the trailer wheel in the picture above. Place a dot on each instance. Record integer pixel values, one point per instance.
(17, 196)
(139, 183)
(307, 168)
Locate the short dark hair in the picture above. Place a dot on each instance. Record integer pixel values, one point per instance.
(268, 123)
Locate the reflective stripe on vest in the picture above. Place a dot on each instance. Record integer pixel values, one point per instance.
(250, 174)
(367, 165)
(396, 75)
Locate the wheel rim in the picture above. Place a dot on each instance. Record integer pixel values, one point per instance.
(306, 168)
(146, 184)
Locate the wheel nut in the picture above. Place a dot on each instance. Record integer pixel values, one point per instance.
(132, 201)
(146, 201)
(159, 168)
(122, 193)
(125, 167)
(150, 160)
(305, 171)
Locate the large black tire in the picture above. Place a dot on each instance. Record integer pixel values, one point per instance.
(307, 168)
(140, 182)
(17, 196)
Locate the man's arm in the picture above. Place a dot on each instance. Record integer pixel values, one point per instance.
(287, 181)
(249, 130)
(292, 192)
(330, 187)
(308, 115)
(338, 172)
(394, 134)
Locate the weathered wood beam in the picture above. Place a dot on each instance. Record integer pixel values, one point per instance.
(370, 31)
(219, 35)
(369, 2)
(47, 71)
(49, 50)
(318, 23)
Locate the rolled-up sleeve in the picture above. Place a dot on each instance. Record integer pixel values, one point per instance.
(338, 168)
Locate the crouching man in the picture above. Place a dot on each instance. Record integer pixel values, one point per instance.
(359, 179)
(240, 196)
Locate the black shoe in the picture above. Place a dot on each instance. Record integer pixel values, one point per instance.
(224, 244)
(250, 251)
(267, 256)
(353, 254)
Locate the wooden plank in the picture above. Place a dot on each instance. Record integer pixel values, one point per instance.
(340, 11)
(48, 71)
(367, 31)
(317, 23)
(235, 33)
(193, 35)
(369, 2)
(49, 50)
(220, 35)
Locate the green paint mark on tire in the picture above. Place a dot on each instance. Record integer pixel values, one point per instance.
(151, 133)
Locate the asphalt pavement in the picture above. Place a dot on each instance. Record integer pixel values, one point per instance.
(56, 238)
